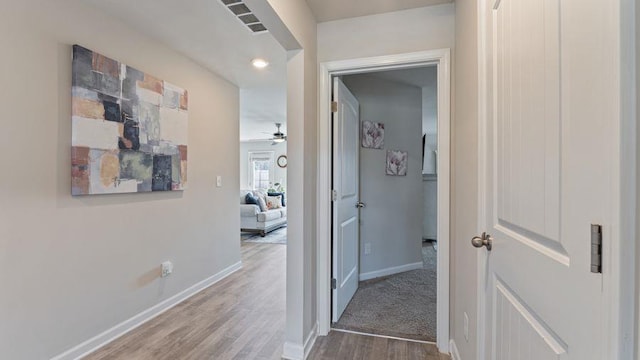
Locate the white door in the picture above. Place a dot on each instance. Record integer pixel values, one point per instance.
(346, 220)
(548, 178)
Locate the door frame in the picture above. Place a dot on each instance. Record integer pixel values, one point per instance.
(619, 280)
(441, 58)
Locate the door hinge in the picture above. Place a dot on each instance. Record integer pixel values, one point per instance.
(334, 106)
(334, 195)
(596, 248)
(334, 284)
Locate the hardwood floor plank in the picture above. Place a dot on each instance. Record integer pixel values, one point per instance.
(243, 317)
(240, 317)
(346, 346)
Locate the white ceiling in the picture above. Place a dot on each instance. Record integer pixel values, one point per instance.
(260, 110)
(208, 33)
(327, 10)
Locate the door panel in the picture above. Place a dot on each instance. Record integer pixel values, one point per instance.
(527, 67)
(348, 251)
(522, 335)
(346, 221)
(548, 178)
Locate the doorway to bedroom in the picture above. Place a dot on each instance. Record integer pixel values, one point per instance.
(386, 248)
(384, 169)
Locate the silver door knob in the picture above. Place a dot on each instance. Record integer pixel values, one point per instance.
(482, 240)
(360, 205)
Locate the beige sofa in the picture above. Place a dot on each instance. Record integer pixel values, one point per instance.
(252, 219)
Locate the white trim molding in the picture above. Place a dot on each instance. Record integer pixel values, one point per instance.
(442, 59)
(292, 351)
(126, 326)
(311, 340)
(455, 355)
(390, 271)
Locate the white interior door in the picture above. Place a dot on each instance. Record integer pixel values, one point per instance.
(548, 178)
(346, 221)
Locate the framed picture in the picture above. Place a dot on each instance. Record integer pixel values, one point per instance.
(397, 162)
(372, 135)
(129, 129)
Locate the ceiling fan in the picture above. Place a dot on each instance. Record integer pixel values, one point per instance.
(278, 136)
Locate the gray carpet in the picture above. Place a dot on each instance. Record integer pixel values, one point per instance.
(278, 236)
(401, 305)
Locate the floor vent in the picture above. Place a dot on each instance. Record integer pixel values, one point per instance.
(244, 14)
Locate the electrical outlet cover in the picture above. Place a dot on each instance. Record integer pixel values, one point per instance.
(166, 268)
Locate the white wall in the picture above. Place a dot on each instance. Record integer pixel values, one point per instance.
(398, 32)
(637, 228)
(430, 182)
(302, 129)
(430, 108)
(464, 179)
(279, 174)
(72, 267)
(430, 206)
(391, 221)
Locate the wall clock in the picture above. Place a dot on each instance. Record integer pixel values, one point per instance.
(282, 161)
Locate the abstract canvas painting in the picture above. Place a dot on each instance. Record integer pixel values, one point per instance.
(372, 135)
(129, 129)
(397, 162)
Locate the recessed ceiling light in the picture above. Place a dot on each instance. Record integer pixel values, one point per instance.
(259, 63)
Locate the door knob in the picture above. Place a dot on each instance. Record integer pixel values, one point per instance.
(360, 205)
(482, 240)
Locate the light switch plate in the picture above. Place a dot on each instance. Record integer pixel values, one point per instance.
(219, 181)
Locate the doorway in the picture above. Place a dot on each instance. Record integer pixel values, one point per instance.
(392, 291)
(438, 59)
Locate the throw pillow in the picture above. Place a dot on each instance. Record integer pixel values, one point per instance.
(250, 199)
(262, 204)
(274, 202)
(260, 194)
(276, 194)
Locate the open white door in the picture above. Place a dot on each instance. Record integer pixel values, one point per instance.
(346, 220)
(549, 177)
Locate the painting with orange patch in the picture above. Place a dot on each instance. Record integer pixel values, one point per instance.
(121, 130)
(128, 144)
(183, 152)
(109, 169)
(151, 83)
(184, 100)
(126, 149)
(80, 170)
(183, 173)
(105, 65)
(87, 109)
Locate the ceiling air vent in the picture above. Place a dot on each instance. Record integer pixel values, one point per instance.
(244, 14)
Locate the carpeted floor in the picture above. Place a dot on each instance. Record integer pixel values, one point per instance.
(278, 236)
(401, 305)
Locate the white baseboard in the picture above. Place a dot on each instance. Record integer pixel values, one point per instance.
(292, 351)
(311, 340)
(390, 271)
(455, 355)
(124, 327)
